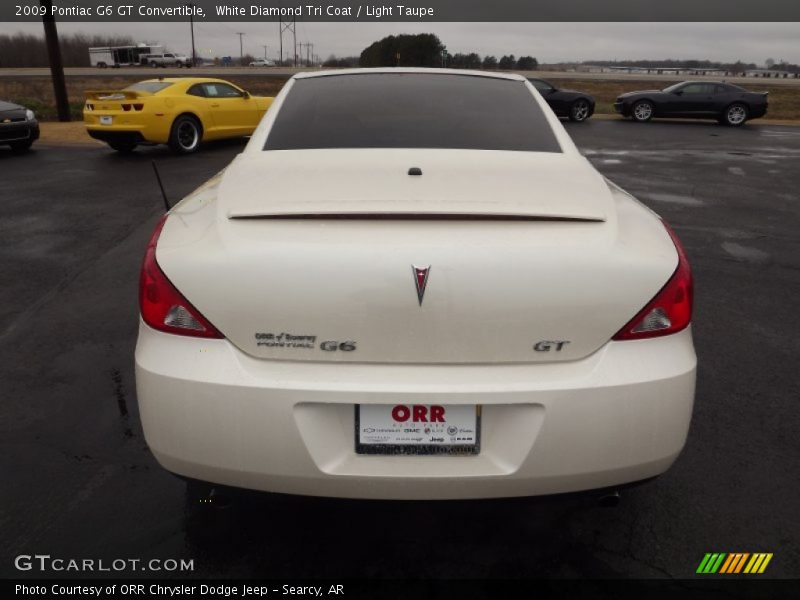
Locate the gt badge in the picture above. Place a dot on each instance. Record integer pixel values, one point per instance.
(547, 345)
(421, 280)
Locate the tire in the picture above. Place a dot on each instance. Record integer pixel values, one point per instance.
(642, 111)
(122, 147)
(735, 115)
(153, 64)
(21, 147)
(579, 110)
(186, 135)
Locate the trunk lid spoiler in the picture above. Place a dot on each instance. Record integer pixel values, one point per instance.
(113, 95)
(375, 183)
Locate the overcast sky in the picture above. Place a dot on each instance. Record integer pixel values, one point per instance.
(548, 42)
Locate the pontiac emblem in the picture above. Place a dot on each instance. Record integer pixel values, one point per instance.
(421, 280)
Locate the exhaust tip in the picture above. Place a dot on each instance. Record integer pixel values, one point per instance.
(609, 499)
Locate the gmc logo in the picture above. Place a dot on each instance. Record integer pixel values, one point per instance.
(418, 414)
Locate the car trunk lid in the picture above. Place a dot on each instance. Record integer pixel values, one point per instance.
(546, 269)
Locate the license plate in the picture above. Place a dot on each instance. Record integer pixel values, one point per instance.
(417, 429)
(106, 120)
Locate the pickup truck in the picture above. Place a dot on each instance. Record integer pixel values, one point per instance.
(168, 59)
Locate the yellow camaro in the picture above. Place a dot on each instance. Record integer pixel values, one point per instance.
(177, 111)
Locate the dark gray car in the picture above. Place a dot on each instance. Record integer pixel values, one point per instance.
(729, 104)
(18, 126)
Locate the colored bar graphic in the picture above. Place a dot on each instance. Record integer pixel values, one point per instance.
(734, 563)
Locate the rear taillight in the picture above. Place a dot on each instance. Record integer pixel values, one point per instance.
(126, 107)
(671, 309)
(162, 306)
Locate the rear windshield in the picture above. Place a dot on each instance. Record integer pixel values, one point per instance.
(149, 86)
(411, 110)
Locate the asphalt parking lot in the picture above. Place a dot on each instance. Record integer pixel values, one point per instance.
(78, 480)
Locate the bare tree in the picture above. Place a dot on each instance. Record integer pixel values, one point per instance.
(26, 50)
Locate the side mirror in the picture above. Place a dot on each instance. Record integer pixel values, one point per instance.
(678, 92)
(246, 95)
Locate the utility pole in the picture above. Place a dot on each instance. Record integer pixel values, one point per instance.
(301, 44)
(56, 64)
(264, 46)
(294, 39)
(191, 25)
(289, 25)
(311, 56)
(241, 51)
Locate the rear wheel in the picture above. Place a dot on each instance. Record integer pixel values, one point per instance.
(735, 115)
(122, 147)
(579, 111)
(642, 111)
(186, 135)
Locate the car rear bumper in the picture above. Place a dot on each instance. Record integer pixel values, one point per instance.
(117, 136)
(127, 127)
(213, 413)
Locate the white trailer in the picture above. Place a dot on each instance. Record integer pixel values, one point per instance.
(122, 56)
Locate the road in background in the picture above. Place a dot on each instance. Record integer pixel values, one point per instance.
(289, 71)
(80, 482)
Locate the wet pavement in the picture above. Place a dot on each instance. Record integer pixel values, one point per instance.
(78, 480)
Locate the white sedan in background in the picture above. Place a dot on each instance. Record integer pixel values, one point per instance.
(262, 62)
(411, 285)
